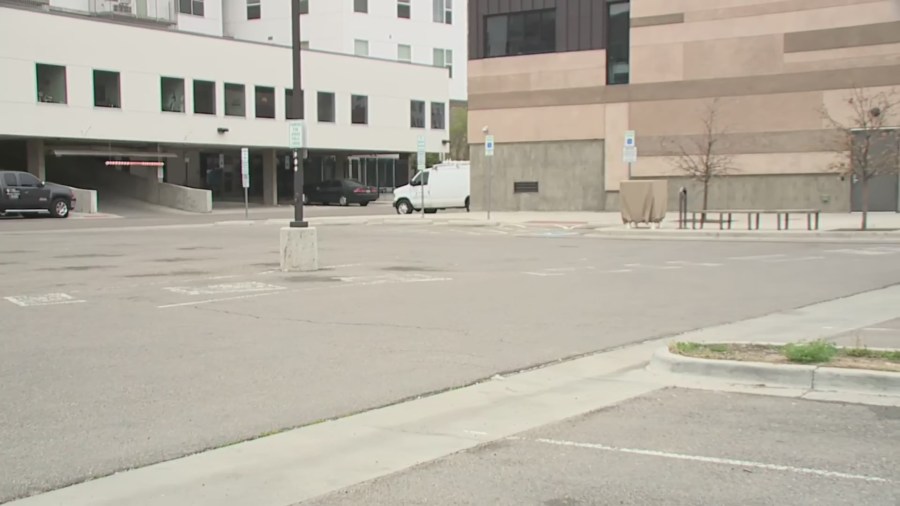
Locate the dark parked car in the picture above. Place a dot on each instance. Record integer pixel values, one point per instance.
(341, 191)
(23, 193)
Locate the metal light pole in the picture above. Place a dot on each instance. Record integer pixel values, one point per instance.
(297, 106)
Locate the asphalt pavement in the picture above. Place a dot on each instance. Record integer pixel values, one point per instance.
(133, 346)
(669, 447)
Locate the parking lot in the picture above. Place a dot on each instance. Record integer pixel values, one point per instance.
(127, 346)
(673, 447)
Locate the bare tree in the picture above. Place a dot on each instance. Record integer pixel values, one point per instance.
(866, 143)
(700, 156)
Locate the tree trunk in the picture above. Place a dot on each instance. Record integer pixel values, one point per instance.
(705, 195)
(865, 204)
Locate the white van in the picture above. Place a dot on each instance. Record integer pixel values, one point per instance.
(446, 186)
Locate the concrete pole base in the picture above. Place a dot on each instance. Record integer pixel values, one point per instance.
(299, 249)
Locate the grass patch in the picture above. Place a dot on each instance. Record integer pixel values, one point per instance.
(816, 352)
(813, 353)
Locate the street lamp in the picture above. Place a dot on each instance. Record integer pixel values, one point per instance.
(297, 106)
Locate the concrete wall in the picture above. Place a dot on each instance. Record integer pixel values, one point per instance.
(85, 200)
(796, 191)
(774, 70)
(569, 175)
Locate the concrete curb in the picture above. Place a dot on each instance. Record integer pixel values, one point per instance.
(796, 376)
(807, 377)
(783, 236)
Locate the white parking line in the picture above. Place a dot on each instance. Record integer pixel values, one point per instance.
(241, 287)
(543, 274)
(758, 257)
(693, 264)
(47, 299)
(713, 460)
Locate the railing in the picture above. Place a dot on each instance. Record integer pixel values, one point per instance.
(143, 11)
(27, 3)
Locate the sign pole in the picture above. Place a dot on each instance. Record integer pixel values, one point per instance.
(298, 113)
(420, 162)
(488, 156)
(245, 180)
(629, 151)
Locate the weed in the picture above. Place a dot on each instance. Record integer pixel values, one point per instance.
(688, 348)
(815, 352)
(858, 352)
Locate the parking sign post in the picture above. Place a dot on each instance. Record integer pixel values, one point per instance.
(629, 151)
(488, 155)
(245, 179)
(420, 162)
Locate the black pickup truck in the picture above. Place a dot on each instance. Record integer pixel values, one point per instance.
(23, 193)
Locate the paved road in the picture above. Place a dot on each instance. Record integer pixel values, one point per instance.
(673, 447)
(125, 347)
(138, 215)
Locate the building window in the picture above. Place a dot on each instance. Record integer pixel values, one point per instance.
(192, 7)
(304, 44)
(404, 52)
(107, 90)
(403, 9)
(304, 6)
(359, 113)
(417, 114)
(361, 6)
(172, 91)
(618, 26)
(325, 107)
(529, 32)
(289, 104)
(438, 113)
(265, 102)
(235, 100)
(51, 84)
(444, 58)
(361, 47)
(254, 9)
(204, 97)
(443, 11)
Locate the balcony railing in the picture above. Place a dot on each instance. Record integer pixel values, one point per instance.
(27, 3)
(140, 11)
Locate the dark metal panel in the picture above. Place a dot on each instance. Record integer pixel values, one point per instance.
(584, 28)
(502, 7)
(598, 13)
(572, 26)
(527, 5)
(562, 42)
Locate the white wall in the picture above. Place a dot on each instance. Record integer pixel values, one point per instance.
(331, 25)
(152, 53)
(210, 24)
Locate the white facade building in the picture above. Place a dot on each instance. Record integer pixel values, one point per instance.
(429, 32)
(138, 76)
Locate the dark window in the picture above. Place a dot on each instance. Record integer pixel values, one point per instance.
(420, 178)
(359, 114)
(325, 107)
(193, 7)
(28, 180)
(618, 26)
(204, 97)
(361, 6)
(9, 179)
(106, 89)
(529, 32)
(172, 91)
(51, 83)
(289, 104)
(265, 102)
(417, 113)
(235, 100)
(438, 110)
(254, 9)
(403, 9)
(304, 6)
